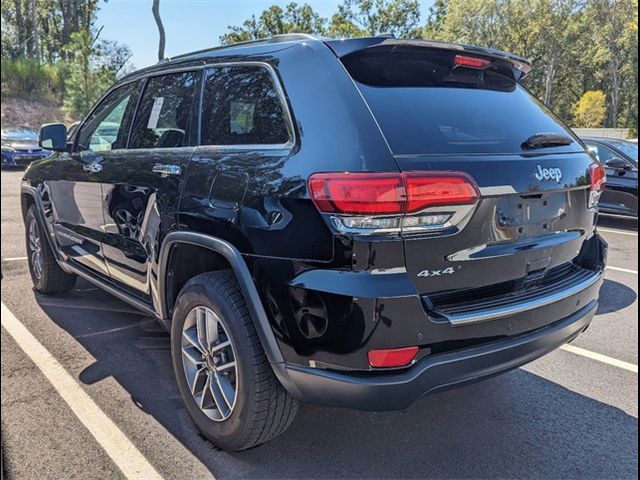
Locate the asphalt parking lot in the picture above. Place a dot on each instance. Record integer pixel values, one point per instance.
(571, 414)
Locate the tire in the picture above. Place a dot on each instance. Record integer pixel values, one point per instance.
(46, 274)
(258, 408)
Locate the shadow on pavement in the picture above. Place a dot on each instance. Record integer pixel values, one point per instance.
(618, 222)
(615, 296)
(515, 425)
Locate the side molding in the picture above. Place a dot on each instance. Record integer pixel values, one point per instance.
(234, 257)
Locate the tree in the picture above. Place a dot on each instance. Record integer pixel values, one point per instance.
(615, 51)
(591, 110)
(340, 27)
(373, 17)
(92, 68)
(156, 16)
(276, 21)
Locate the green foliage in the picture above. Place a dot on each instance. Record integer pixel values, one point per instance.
(591, 110)
(92, 68)
(276, 21)
(51, 51)
(575, 46)
(373, 17)
(26, 78)
(354, 18)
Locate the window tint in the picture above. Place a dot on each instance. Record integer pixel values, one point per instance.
(107, 126)
(164, 114)
(601, 152)
(242, 107)
(628, 148)
(425, 104)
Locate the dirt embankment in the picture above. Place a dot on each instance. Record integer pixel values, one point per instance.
(18, 112)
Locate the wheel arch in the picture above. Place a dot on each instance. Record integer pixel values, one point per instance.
(233, 258)
(30, 196)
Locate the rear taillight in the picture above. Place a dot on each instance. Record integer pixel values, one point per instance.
(393, 202)
(358, 193)
(598, 179)
(471, 62)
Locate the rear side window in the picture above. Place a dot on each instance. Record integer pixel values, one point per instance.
(164, 114)
(425, 104)
(242, 106)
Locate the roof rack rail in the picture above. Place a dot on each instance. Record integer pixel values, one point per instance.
(285, 37)
(290, 37)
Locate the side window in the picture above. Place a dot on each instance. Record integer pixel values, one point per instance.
(602, 153)
(242, 106)
(107, 126)
(164, 114)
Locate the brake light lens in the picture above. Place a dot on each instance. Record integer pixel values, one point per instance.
(471, 62)
(390, 193)
(438, 189)
(395, 357)
(409, 202)
(598, 177)
(357, 193)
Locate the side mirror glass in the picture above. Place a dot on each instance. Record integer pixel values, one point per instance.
(53, 136)
(618, 164)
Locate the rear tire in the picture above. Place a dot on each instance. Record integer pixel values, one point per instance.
(221, 369)
(46, 274)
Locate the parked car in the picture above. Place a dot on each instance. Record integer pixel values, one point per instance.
(620, 159)
(20, 147)
(353, 223)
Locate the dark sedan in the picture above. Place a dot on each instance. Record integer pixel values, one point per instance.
(20, 147)
(620, 159)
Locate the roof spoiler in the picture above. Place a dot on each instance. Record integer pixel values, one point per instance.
(521, 66)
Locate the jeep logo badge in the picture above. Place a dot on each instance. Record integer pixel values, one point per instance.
(548, 174)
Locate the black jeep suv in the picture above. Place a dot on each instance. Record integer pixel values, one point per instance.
(354, 223)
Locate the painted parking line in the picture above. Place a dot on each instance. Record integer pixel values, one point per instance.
(113, 441)
(625, 270)
(600, 358)
(14, 259)
(619, 232)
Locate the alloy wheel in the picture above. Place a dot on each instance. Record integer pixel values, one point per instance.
(209, 363)
(35, 249)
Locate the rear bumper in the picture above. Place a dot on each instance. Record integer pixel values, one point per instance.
(398, 390)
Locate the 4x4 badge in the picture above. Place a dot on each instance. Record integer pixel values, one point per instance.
(437, 273)
(548, 174)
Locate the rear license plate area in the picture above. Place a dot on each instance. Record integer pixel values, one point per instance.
(531, 215)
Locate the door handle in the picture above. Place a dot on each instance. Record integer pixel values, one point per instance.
(166, 170)
(93, 167)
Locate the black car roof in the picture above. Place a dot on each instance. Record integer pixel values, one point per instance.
(340, 48)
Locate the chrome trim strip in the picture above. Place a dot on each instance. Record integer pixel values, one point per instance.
(460, 319)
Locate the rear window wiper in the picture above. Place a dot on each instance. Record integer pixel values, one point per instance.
(544, 140)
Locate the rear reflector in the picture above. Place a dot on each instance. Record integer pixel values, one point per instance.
(471, 62)
(390, 193)
(395, 357)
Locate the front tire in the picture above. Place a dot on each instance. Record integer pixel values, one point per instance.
(46, 274)
(221, 369)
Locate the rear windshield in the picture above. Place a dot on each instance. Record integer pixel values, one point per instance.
(425, 104)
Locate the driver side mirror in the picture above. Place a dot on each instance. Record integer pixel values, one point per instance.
(618, 164)
(53, 136)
